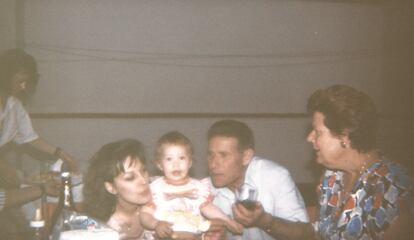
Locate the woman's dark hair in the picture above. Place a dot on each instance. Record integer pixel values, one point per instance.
(104, 166)
(14, 61)
(235, 129)
(347, 111)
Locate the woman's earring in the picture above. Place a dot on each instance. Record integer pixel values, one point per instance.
(343, 144)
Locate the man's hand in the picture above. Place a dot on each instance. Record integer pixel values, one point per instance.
(249, 218)
(217, 230)
(163, 229)
(234, 227)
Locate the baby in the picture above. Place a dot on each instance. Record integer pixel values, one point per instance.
(179, 202)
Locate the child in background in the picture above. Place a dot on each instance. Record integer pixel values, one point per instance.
(179, 202)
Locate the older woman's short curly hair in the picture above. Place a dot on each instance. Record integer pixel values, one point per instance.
(105, 165)
(347, 111)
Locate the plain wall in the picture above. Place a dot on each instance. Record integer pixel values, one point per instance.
(148, 67)
(7, 24)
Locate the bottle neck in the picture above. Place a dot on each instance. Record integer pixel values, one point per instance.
(66, 194)
(67, 199)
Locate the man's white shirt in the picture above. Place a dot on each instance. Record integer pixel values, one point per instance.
(277, 193)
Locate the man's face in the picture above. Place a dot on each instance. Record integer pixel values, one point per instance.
(226, 162)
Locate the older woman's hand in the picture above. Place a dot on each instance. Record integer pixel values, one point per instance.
(8, 175)
(70, 161)
(52, 187)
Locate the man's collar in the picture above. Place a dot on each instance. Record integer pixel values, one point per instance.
(249, 174)
(248, 178)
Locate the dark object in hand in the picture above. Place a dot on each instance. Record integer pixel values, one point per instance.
(249, 204)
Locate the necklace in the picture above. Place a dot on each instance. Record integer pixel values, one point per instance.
(347, 191)
(364, 166)
(367, 162)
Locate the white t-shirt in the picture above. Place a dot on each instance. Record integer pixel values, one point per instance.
(15, 123)
(180, 204)
(277, 193)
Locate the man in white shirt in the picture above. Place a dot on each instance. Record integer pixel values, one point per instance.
(280, 212)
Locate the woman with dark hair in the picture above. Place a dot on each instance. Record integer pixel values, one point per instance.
(116, 187)
(362, 194)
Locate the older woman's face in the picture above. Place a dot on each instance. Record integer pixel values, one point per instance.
(327, 146)
(19, 83)
(131, 186)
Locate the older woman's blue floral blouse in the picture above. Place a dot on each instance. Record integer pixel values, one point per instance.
(371, 207)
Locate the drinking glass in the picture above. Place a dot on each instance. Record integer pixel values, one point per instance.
(247, 196)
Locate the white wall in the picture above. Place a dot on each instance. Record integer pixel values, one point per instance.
(7, 24)
(194, 57)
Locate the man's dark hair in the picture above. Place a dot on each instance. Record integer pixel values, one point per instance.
(233, 128)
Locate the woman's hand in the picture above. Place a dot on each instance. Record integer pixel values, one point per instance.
(217, 230)
(163, 229)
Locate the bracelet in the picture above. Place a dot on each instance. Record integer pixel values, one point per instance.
(57, 152)
(268, 226)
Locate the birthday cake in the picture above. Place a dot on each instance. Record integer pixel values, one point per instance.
(95, 234)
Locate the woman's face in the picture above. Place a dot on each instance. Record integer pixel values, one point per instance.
(131, 187)
(327, 146)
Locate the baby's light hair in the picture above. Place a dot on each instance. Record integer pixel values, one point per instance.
(173, 138)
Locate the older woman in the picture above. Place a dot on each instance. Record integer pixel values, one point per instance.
(362, 194)
(18, 78)
(116, 187)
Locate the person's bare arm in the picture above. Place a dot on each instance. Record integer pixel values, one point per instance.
(277, 227)
(20, 196)
(217, 230)
(148, 221)
(212, 212)
(48, 148)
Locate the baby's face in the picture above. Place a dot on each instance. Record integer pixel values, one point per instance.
(175, 162)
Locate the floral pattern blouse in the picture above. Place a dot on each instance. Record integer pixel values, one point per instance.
(372, 205)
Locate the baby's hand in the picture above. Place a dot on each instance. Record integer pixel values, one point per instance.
(163, 229)
(234, 227)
